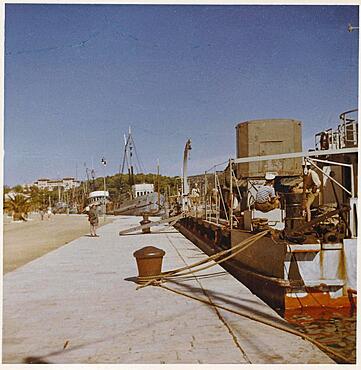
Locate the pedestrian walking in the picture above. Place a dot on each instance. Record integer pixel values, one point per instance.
(49, 213)
(93, 219)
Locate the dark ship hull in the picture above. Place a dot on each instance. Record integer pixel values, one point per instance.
(144, 204)
(285, 275)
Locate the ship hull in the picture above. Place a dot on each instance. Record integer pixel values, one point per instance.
(286, 276)
(145, 204)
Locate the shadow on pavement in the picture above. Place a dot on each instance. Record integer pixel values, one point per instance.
(35, 360)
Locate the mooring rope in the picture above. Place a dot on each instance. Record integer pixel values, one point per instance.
(206, 293)
(168, 275)
(252, 317)
(178, 272)
(244, 246)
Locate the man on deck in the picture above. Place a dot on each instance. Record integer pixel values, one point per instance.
(266, 198)
(311, 185)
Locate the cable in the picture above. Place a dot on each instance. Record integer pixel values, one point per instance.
(234, 337)
(141, 166)
(245, 244)
(252, 317)
(51, 48)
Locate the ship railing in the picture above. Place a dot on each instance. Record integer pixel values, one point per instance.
(311, 156)
(345, 136)
(213, 197)
(211, 213)
(348, 129)
(327, 139)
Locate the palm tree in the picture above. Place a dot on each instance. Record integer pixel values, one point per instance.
(18, 205)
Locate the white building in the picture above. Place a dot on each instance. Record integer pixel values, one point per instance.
(70, 183)
(66, 183)
(142, 189)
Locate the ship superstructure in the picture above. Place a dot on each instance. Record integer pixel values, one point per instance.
(298, 263)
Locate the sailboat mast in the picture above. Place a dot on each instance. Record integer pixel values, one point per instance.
(158, 185)
(130, 143)
(185, 185)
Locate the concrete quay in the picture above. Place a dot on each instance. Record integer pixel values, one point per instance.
(79, 304)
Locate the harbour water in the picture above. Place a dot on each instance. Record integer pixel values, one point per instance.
(333, 328)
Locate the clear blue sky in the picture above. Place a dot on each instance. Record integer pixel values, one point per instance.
(76, 76)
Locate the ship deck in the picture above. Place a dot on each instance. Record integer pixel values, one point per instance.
(79, 304)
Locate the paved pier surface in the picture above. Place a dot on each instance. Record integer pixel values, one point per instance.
(78, 304)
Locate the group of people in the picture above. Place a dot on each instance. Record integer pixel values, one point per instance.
(45, 214)
(267, 199)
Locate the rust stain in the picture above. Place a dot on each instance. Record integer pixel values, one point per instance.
(341, 268)
(316, 300)
(321, 262)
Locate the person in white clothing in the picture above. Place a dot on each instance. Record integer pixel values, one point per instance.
(311, 186)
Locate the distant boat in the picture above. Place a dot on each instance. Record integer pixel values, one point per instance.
(149, 203)
(143, 199)
(99, 197)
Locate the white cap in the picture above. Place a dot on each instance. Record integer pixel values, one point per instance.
(270, 176)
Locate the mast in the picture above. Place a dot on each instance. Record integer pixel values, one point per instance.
(158, 185)
(128, 156)
(130, 143)
(185, 185)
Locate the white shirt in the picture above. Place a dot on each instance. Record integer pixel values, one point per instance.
(316, 180)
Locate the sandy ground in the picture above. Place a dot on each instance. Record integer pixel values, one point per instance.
(26, 241)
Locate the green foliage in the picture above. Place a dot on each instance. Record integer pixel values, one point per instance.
(118, 185)
(19, 205)
(7, 189)
(40, 198)
(18, 189)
